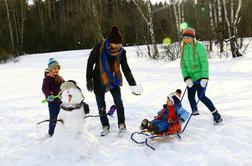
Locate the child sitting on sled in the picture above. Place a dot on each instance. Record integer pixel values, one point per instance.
(169, 119)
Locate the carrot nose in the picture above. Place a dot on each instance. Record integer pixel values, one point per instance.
(69, 98)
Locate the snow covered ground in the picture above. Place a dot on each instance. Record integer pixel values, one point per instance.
(22, 142)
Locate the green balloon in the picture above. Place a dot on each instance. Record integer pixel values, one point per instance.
(183, 25)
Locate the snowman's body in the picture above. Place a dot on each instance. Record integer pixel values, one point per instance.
(70, 139)
(72, 111)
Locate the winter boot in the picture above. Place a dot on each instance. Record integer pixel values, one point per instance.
(144, 124)
(105, 131)
(217, 117)
(152, 128)
(122, 129)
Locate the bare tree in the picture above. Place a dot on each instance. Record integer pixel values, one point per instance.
(15, 21)
(232, 24)
(171, 51)
(97, 19)
(149, 23)
(41, 19)
(18, 16)
(151, 29)
(49, 10)
(211, 16)
(220, 30)
(23, 17)
(10, 25)
(178, 9)
(176, 17)
(216, 23)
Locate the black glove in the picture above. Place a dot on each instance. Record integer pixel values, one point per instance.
(90, 85)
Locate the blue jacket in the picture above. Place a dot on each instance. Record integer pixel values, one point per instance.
(182, 113)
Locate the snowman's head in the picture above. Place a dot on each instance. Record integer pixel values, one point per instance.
(71, 94)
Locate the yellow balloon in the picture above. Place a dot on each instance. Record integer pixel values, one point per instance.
(167, 41)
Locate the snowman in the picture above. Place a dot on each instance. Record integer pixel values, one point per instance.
(71, 138)
(73, 109)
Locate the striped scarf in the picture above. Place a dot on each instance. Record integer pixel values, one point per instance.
(110, 77)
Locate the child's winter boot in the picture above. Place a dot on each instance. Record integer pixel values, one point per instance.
(152, 128)
(144, 124)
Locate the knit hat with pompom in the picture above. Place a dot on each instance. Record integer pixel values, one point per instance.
(115, 36)
(52, 63)
(189, 32)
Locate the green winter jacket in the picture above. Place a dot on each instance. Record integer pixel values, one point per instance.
(194, 68)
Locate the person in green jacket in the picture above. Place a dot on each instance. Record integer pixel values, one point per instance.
(194, 67)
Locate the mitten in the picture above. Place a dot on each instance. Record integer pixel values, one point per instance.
(203, 82)
(136, 90)
(50, 98)
(189, 83)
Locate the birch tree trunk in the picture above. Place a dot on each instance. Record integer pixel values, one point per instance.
(149, 23)
(42, 21)
(232, 26)
(54, 11)
(62, 18)
(178, 9)
(179, 13)
(220, 27)
(49, 10)
(10, 26)
(215, 11)
(237, 19)
(140, 10)
(151, 29)
(182, 12)
(176, 18)
(23, 13)
(96, 16)
(211, 17)
(226, 18)
(15, 25)
(212, 25)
